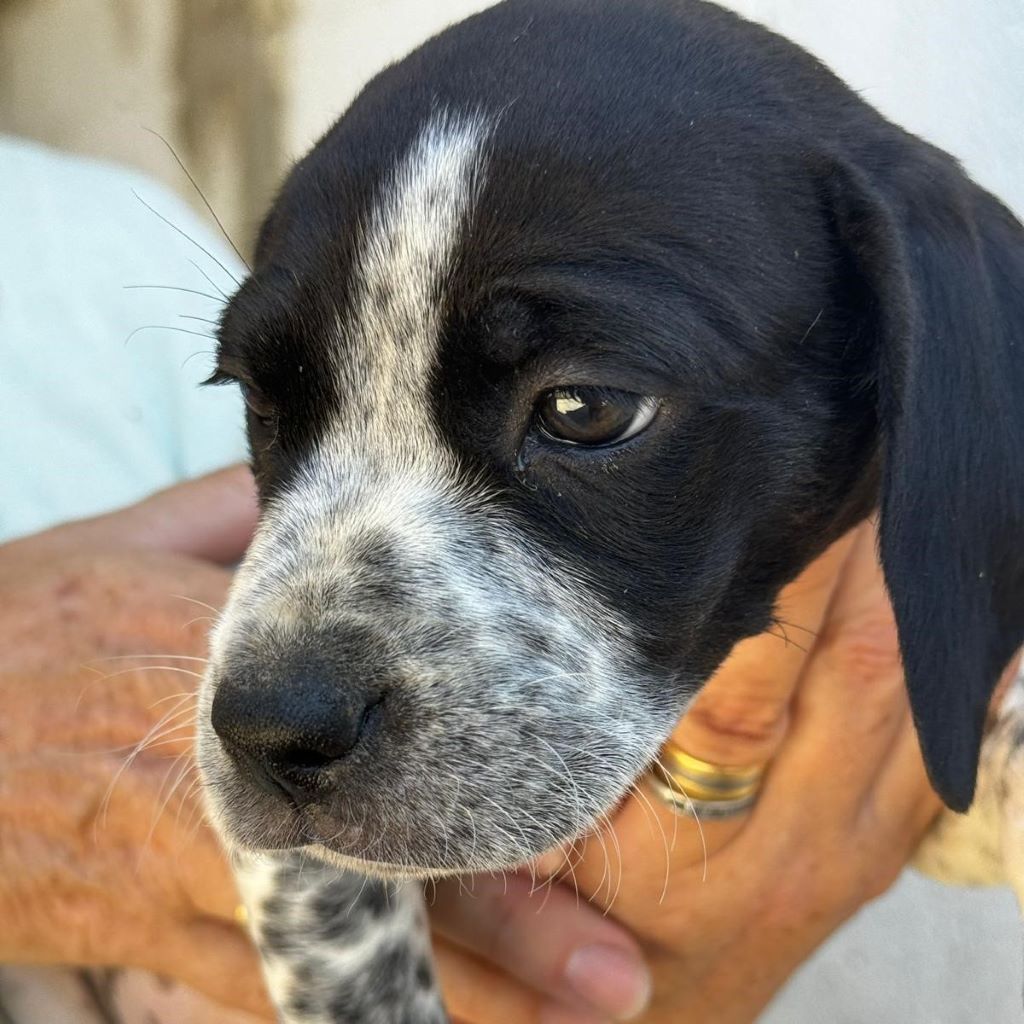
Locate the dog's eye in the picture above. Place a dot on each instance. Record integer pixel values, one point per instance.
(258, 404)
(594, 416)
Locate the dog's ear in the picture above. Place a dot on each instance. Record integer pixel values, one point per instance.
(943, 264)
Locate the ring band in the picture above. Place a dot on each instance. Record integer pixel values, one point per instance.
(703, 789)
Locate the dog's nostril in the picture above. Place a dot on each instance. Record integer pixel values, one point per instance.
(290, 734)
(305, 759)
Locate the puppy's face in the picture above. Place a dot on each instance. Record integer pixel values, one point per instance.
(557, 370)
(522, 493)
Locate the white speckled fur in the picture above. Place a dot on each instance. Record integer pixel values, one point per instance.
(986, 845)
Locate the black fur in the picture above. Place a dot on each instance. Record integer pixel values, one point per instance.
(683, 204)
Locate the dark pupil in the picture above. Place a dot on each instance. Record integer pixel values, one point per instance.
(586, 417)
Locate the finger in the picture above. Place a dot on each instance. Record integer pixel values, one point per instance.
(1003, 686)
(477, 993)
(895, 813)
(851, 700)
(903, 792)
(217, 960)
(740, 715)
(212, 517)
(549, 940)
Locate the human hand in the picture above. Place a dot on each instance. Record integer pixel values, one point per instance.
(105, 859)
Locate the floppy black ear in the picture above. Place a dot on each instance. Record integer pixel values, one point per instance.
(944, 267)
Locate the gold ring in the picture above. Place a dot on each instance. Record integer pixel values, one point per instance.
(703, 789)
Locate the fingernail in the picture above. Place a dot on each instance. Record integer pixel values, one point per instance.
(612, 980)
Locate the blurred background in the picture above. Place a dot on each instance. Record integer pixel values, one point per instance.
(241, 88)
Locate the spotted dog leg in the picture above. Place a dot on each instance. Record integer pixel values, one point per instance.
(338, 947)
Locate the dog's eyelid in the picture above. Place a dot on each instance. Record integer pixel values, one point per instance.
(219, 378)
(229, 370)
(257, 401)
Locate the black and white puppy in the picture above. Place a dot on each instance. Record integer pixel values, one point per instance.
(583, 331)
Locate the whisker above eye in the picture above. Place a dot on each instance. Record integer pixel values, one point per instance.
(147, 657)
(176, 288)
(167, 327)
(210, 281)
(202, 195)
(185, 235)
(147, 668)
(195, 600)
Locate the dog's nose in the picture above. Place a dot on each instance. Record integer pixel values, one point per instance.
(288, 735)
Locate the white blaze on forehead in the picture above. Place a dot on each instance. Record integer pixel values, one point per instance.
(406, 251)
(382, 463)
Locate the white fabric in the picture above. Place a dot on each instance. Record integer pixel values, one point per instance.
(91, 419)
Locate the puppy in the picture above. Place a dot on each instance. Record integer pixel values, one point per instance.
(583, 331)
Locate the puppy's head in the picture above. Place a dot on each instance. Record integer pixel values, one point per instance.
(583, 331)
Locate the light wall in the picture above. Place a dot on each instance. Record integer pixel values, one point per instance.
(241, 88)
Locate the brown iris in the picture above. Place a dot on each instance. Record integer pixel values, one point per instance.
(594, 416)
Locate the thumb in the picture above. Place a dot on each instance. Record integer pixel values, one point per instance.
(211, 517)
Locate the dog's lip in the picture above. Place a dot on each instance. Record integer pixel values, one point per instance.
(381, 869)
(330, 850)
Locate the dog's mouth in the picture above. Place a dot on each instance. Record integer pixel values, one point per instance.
(334, 851)
(421, 835)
